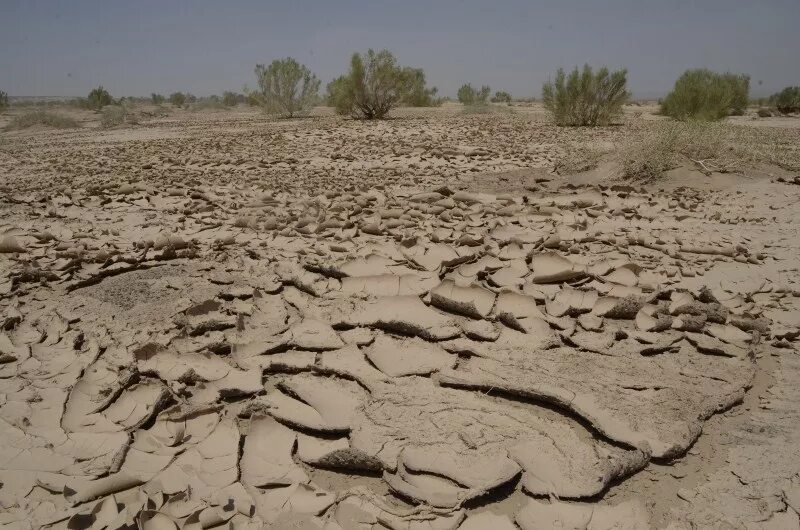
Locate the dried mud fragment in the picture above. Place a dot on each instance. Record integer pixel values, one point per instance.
(350, 363)
(411, 356)
(606, 390)
(361, 512)
(487, 520)
(402, 314)
(267, 455)
(550, 267)
(281, 505)
(10, 245)
(473, 301)
(333, 453)
(628, 515)
(459, 435)
(618, 308)
(321, 404)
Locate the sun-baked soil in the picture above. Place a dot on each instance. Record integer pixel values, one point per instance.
(215, 318)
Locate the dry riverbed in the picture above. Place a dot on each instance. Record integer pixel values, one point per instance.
(218, 319)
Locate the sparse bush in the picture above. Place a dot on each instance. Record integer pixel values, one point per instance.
(178, 99)
(740, 86)
(469, 96)
(112, 115)
(585, 97)
(501, 97)
(254, 99)
(577, 158)
(417, 94)
(287, 87)
(335, 92)
(647, 154)
(764, 113)
(230, 99)
(41, 117)
(157, 99)
(99, 98)
(3, 100)
(374, 85)
(787, 101)
(705, 95)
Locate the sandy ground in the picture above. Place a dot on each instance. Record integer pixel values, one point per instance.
(213, 318)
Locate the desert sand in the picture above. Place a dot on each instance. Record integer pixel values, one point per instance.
(217, 319)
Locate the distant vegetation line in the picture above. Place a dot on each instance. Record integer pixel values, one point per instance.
(375, 84)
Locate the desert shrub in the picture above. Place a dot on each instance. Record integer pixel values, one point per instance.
(469, 96)
(335, 90)
(374, 85)
(178, 99)
(114, 115)
(416, 92)
(253, 99)
(705, 95)
(585, 97)
(787, 100)
(287, 87)
(645, 155)
(3, 100)
(156, 99)
(764, 113)
(99, 98)
(231, 99)
(740, 87)
(501, 97)
(41, 117)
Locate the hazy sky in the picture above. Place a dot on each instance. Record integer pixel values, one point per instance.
(135, 47)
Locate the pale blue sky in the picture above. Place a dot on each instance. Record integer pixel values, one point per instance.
(64, 48)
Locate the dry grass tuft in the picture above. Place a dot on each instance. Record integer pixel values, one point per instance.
(41, 117)
(578, 158)
(710, 146)
(114, 115)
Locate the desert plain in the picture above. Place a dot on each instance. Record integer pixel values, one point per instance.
(439, 321)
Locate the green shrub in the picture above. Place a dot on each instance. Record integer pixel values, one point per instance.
(41, 117)
(231, 99)
(469, 96)
(178, 99)
(705, 95)
(287, 87)
(501, 97)
(253, 99)
(787, 100)
(156, 99)
(416, 93)
(99, 98)
(585, 97)
(764, 113)
(335, 90)
(3, 100)
(375, 85)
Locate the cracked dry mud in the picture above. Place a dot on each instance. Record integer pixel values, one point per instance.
(193, 340)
